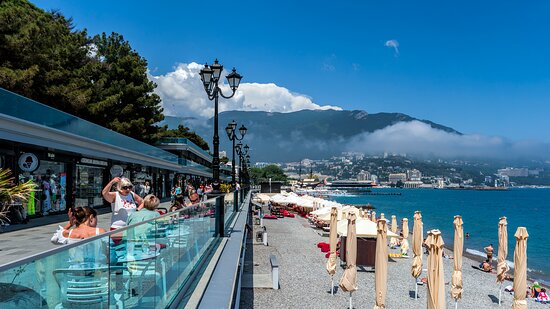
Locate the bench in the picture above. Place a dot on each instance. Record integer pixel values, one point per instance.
(261, 235)
(274, 271)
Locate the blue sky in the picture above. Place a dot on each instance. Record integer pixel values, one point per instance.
(480, 67)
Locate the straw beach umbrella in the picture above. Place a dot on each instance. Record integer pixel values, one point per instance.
(393, 241)
(373, 216)
(405, 242)
(416, 268)
(436, 282)
(520, 269)
(331, 262)
(502, 266)
(348, 282)
(456, 288)
(381, 266)
(393, 223)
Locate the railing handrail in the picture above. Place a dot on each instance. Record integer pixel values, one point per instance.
(65, 247)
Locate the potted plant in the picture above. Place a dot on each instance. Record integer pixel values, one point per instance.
(10, 192)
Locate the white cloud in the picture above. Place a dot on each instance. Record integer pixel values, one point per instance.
(419, 138)
(183, 95)
(393, 44)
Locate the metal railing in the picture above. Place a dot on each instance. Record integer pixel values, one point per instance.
(147, 264)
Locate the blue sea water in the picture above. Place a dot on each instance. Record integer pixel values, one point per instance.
(480, 211)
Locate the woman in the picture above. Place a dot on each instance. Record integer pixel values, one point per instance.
(123, 201)
(91, 254)
(147, 212)
(85, 222)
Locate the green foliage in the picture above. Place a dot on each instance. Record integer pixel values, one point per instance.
(41, 57)
(100, 79)
(271, 171)
(183, 131)
(225, 187)
(9, 192)
(122, 96)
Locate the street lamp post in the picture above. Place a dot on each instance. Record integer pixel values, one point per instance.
(230, 130)
(210, 76)
(242, 152)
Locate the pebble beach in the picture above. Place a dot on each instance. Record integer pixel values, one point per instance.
(305, 283)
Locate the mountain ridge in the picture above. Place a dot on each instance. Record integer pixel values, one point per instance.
(284, 137)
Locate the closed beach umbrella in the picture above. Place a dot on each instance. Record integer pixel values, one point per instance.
(393, 224)
(348, 282)
(502, 266)
(381, 266)
(331, 262)
(373, 216)
(416, 268)
(520, 269)
(382, 216)
(393, 241)
(456, 288)
(405, 242)
(436, 283)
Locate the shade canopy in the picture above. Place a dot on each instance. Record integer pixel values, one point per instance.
(456, 280)
(520, 268)
(364, 228)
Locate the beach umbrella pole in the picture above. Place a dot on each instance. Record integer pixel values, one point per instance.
(415, 289)
(332, 286)
(456, 303)
(500, 293)
(350, 305)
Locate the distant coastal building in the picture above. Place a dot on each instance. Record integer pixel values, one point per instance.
(412, 184)
(363, 175)
(414, 175)
(394, 178)
(514, 172)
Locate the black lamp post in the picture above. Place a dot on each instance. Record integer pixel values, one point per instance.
(210, 76)
(243, 153)
(230, 130)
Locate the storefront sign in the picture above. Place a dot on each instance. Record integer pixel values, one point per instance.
(28, 162)
(94, 162)
(116, 171)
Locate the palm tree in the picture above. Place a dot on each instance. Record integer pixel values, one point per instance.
(9, 192)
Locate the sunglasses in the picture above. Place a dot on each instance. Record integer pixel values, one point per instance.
(127, 187)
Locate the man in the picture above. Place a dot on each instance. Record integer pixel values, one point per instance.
(489, 250)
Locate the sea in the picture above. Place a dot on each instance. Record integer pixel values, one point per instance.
(480, 211)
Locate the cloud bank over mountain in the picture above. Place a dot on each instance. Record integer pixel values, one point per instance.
(183, 95)
(418, 138)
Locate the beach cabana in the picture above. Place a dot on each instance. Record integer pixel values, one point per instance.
(456, 280)
(520, 269)
(366, 233)
(436, 281)
(502, 266)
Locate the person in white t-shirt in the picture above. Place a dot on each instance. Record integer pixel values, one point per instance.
(123, 201)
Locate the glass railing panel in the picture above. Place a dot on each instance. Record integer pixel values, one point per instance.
(78, 275)
(20, 107)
